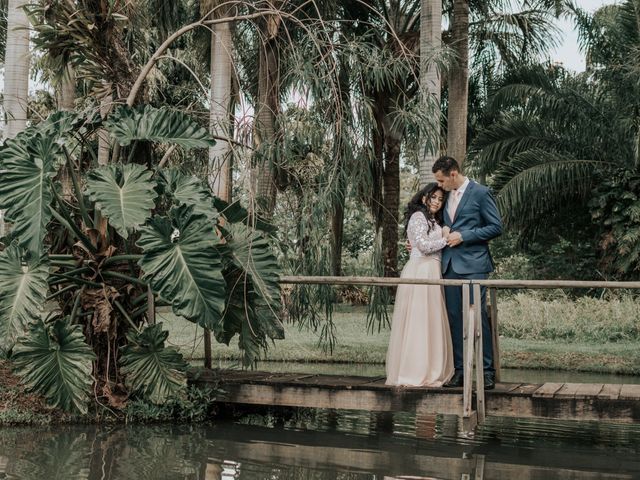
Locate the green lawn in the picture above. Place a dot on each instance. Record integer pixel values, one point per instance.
(354, 344)
(577, 348)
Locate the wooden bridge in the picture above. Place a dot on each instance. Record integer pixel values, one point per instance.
(567, 401)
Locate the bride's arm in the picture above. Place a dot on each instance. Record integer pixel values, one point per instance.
(418, 231)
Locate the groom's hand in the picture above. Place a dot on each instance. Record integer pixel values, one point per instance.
(454, 239)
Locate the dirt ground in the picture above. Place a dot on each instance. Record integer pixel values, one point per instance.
(17, 406)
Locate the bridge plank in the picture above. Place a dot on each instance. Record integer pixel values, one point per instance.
(568, 390)
(525, 389)
(588, 390)
(630, 392)
(610, 391)
(547, 390)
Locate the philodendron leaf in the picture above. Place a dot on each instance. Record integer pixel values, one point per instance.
(28, 164)
(23, 287)
(253, 292)
(160, 125)
(183, 265)
(152, 370)
(252, 253)
(54, 360)
(124, 194)
(184, 189)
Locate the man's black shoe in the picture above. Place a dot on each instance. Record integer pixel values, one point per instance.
(456, 381)
(489, 380)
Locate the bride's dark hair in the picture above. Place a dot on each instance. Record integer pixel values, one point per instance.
(416, 205)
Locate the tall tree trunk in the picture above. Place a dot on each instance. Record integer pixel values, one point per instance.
(66, 100)
(391, 206)
(66, 90)
(219, 176)
(267, 108)
(16, 69)
(430, 41)
(104, 142)
(341, 149)
(16, 75)
(219, 113)
(459, 83)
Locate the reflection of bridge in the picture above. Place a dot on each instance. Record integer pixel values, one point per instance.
(566, 401)
(393, 457)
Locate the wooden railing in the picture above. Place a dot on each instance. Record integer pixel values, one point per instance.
(472, 321)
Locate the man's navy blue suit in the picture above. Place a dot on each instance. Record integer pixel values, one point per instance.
(478, 221)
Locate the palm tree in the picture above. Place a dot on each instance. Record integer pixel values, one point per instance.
(267, 106)
(458, 82)
(220, 108)
(558, 140)
(430, 41)
(501, 35)
(16, 76)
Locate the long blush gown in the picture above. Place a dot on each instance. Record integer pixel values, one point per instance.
(420, 351)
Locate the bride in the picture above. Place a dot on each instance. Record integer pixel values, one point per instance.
(420, 351)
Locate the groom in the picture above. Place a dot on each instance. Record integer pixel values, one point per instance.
(472, 216)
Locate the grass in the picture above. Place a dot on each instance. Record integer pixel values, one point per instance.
(591, 335)
(531, 316)
(354, 344)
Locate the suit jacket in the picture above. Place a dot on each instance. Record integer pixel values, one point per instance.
(478, 221)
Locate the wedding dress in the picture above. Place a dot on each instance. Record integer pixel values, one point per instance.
(420, 351)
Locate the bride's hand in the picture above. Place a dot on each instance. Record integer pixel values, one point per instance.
(445, 232)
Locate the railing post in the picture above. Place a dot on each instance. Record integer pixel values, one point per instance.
(207, 348)
(477, 310)
(495, 339)
(468, 322)
(151, 306)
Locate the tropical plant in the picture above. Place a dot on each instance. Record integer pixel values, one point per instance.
(558, 136)
(131, 236)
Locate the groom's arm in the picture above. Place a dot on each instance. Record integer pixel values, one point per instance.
(492, 224)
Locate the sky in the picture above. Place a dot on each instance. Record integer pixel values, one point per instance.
(568, 52)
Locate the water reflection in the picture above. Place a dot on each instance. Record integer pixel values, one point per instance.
(324, 445)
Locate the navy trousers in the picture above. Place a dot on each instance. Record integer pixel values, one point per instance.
(453, 296)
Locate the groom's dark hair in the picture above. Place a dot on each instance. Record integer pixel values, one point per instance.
(445, 165)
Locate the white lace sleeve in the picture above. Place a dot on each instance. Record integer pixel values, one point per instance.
(420, 237)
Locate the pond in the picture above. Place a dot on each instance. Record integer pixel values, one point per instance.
(324, 444)
(514, 375)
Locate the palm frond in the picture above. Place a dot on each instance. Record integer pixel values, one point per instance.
(537, 181)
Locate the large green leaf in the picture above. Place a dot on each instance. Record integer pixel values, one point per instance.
(124, 194)
(161, 125)
(54, 360)
(188, 190)
(252, 253)
(183, 265)
(152, 370)
(28, 164)
(23, 287)
(253, 292)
